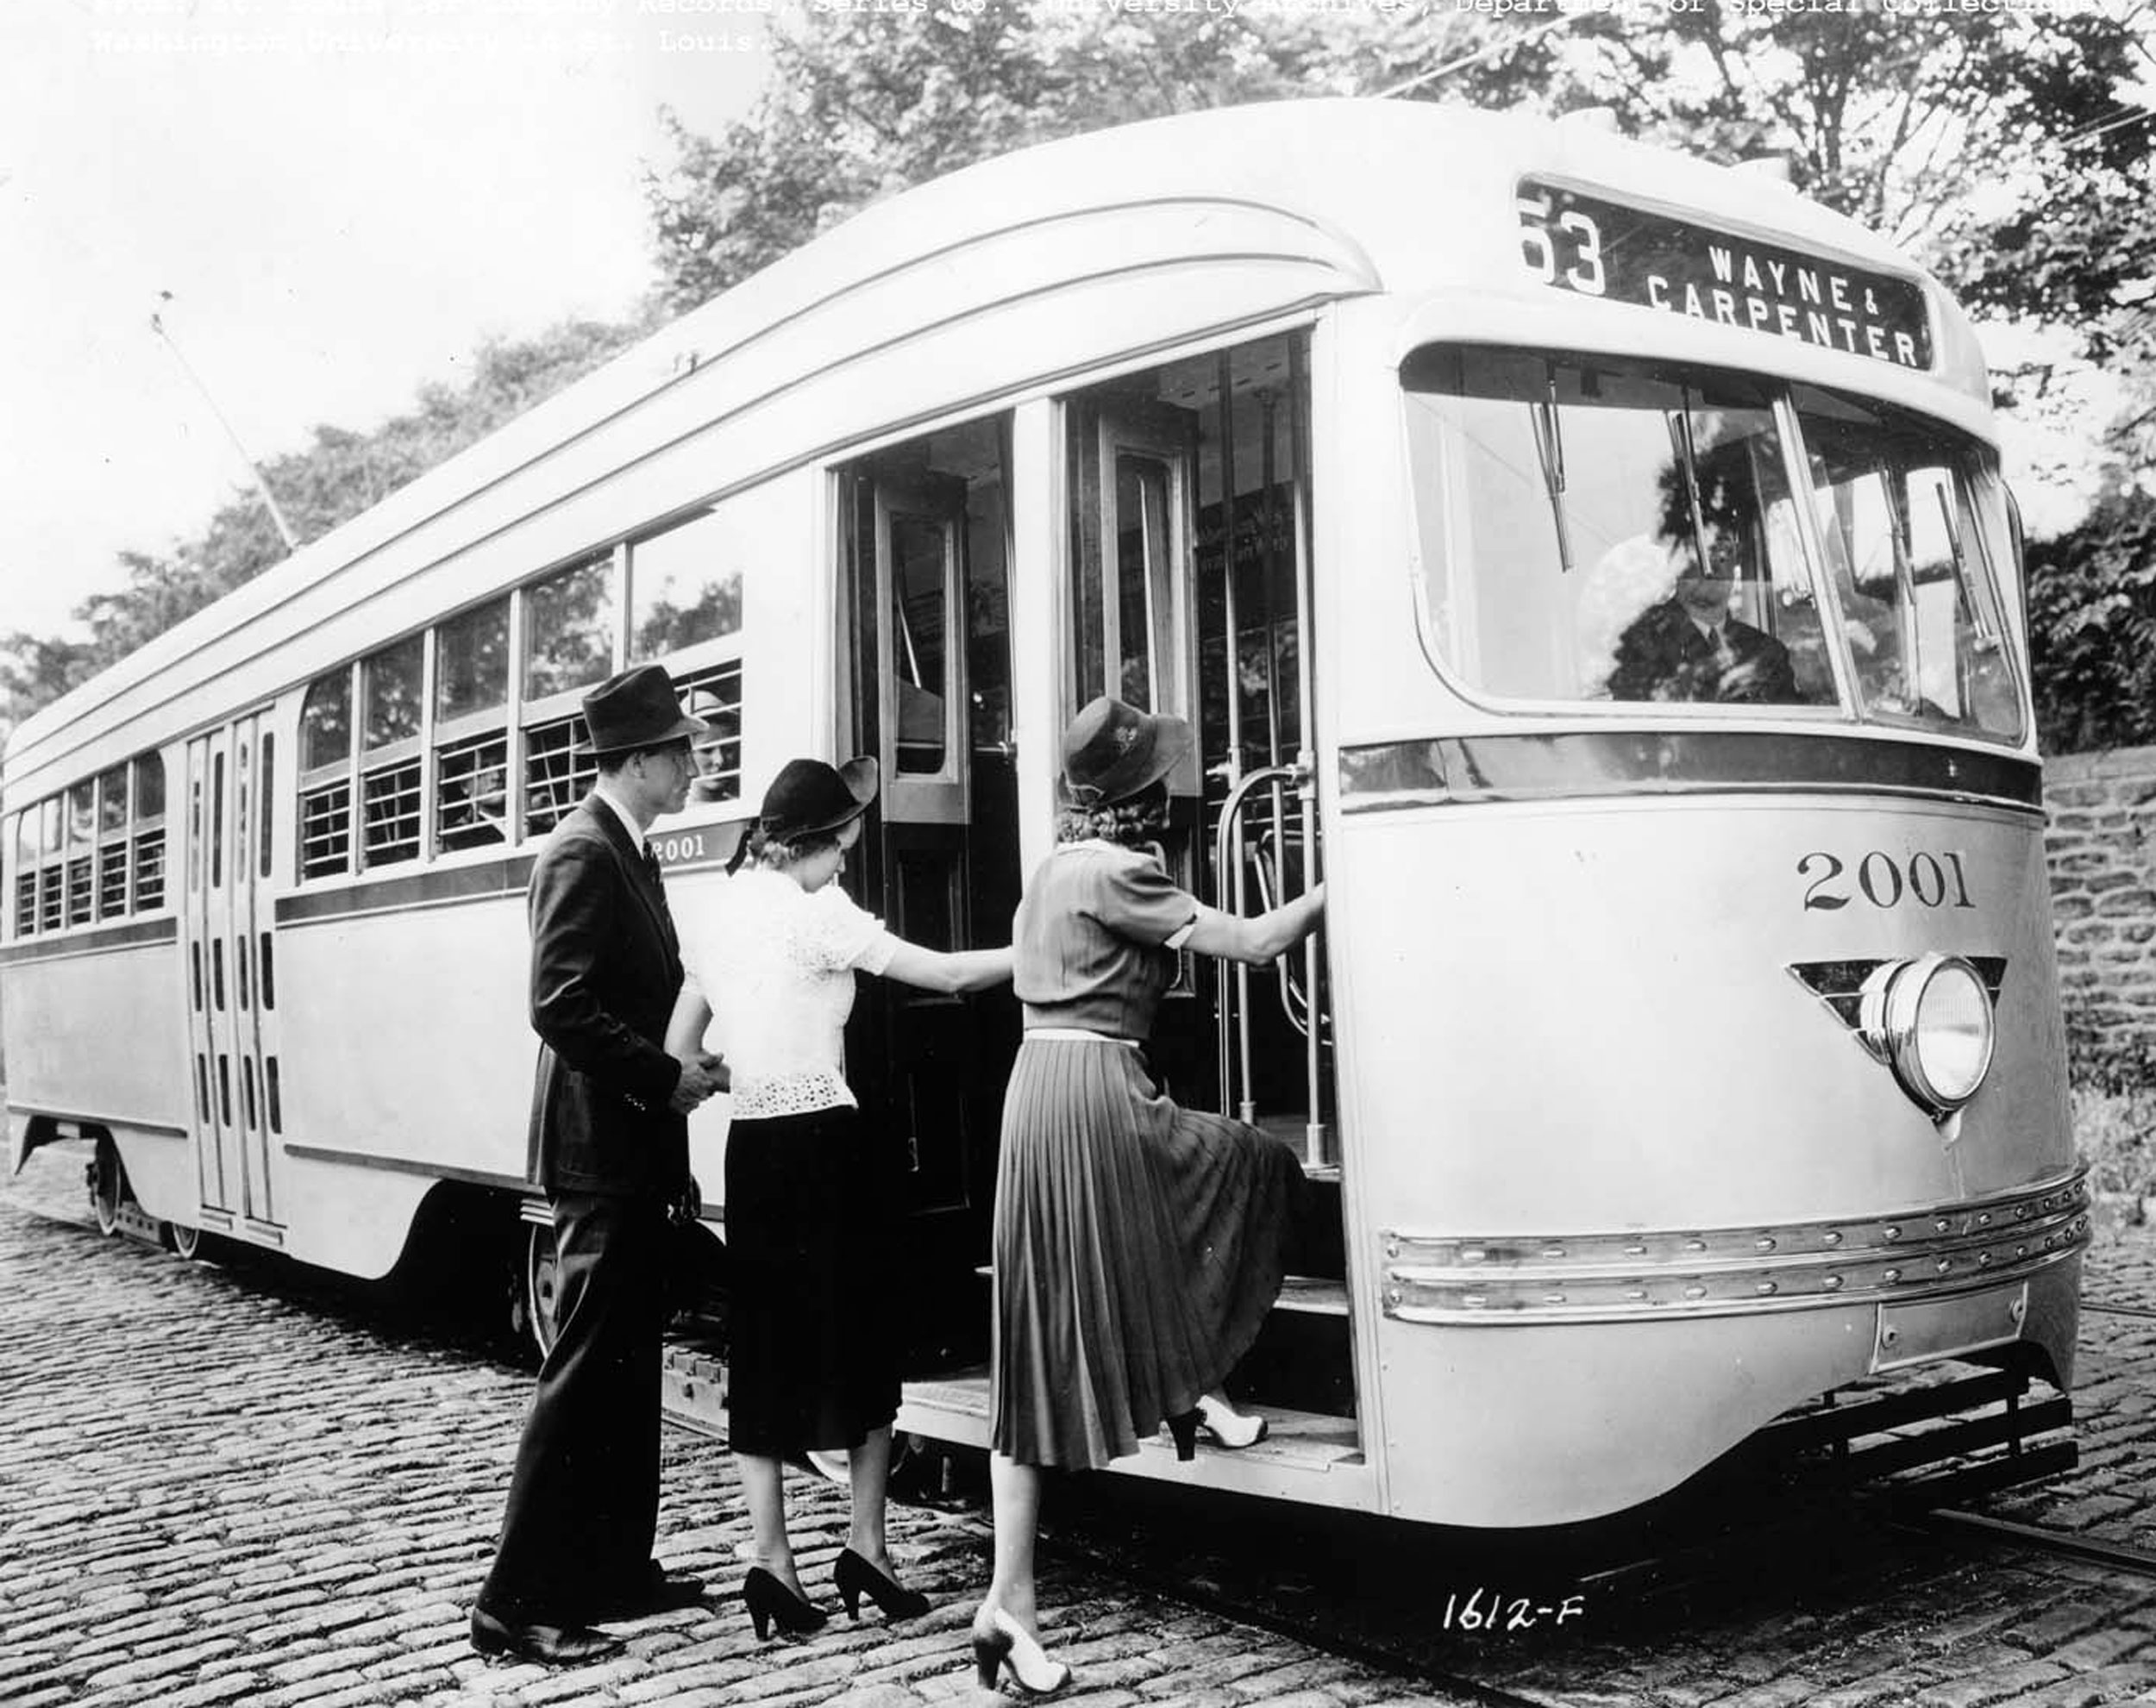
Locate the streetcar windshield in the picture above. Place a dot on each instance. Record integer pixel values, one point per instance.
(1598, 529)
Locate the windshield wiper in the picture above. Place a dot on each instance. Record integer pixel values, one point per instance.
(1550, 449)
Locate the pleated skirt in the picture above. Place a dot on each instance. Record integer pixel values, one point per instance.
(1138, 1248)
(812, 1238)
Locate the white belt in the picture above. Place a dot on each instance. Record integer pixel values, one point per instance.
(1075, 1034)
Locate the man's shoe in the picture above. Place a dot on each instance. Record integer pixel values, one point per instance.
(550, 1645)
(658, 1593)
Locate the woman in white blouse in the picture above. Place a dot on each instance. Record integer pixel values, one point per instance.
(811, 1188)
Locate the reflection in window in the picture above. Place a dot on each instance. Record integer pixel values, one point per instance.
(149, 830)
(1142, 567)
(472, 662)
(325, 764)
(325, 723)
(920, 629)
(1914, 563)
(686, 586)
(1608, 530)
(569, 622)
(392, 682)
(112, 842)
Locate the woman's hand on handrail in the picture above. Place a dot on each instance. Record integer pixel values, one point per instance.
(1255, 941)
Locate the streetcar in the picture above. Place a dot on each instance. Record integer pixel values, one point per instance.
(1681, 1049)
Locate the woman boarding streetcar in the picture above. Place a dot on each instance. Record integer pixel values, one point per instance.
(1663, 1063)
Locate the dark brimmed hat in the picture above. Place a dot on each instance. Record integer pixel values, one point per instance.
(636, 709)
(811, 798)
(1113, 751)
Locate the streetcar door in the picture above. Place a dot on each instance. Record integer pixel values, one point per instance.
(213, 1034)
(1133, 485)
(252, 960)
(924, 537)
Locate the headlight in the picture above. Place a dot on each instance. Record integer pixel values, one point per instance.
(1931, 1019)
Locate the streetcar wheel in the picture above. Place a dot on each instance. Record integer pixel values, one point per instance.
(183, 1239)
(542, 1297)
(107, 1185)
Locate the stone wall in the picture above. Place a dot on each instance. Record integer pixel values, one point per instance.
(2101, 850)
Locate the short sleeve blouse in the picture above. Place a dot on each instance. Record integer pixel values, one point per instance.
(1093, 937)
(777, 967)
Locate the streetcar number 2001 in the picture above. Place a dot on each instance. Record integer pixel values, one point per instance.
(1922, 879)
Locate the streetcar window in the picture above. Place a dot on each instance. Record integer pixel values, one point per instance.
(393, 698)
(714, 695)
(276, 1101)
(472, 662)
(216, 826)
(325, 723)
(112, 842)
(1913, 554)
(25, 873)
(471, 736)
(924, 586)
(685, 587)
(1594, 529)
(266, 979)
(556, 775)
(391, 682)
(569, 624)
(267, 797)
(148, 856)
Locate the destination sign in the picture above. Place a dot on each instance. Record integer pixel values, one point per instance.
(1599, 248)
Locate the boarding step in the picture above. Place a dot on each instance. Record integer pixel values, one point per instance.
(954, 1408)
(1306, 1295)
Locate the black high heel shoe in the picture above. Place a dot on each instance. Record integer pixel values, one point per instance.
(1183, 1426)
(1003, 1647)
(769, 1601)
(855, 1577)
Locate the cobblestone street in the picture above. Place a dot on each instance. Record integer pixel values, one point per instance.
(247, 1485)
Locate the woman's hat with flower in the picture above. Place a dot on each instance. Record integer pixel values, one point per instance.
(1113, 751)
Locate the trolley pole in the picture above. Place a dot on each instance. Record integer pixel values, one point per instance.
(269, 500)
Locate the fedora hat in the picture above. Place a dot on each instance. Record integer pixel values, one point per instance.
(636, 709)
(1112, 751)
(809, 798)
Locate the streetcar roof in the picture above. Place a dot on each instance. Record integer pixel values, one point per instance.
(1154, 233)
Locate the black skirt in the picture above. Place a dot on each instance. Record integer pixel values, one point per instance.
(812, 1218)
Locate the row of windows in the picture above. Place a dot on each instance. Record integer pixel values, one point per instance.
(465, 735)
(95, 851)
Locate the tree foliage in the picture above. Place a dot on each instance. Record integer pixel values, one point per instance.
(1999, 146)
(335, 476)
(2092, 628)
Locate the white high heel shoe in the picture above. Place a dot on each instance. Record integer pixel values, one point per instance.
(1222, 1425)
(1000, 1645)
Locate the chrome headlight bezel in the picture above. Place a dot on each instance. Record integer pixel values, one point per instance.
(1892, 1021)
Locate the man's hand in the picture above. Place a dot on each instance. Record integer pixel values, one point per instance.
(702, 1075)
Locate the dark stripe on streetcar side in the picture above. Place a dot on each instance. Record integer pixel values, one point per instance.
(436, 887)
(401, 1165)
(98, 941)
(1602, 764)
(417, 889)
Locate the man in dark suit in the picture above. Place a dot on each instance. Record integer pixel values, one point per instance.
(1690, 647)
(610, 1148)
